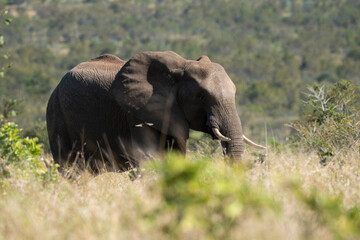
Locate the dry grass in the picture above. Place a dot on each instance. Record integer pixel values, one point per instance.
(111, 206)
(297, 222)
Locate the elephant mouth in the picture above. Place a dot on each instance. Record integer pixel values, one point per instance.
(209, 131)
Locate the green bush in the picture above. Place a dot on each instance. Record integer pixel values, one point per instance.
(24, 154)
(39, 131)
(210, 197)
(331, 124)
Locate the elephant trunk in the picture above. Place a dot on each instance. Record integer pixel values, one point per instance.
(226, 126)
(235, 147)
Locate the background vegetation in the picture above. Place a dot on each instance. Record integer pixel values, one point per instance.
(271, 49)
(288, 59)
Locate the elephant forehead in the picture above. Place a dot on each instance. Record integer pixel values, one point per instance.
(223, 79)
(214, 77)
(198, 71)
(201, 71)
(220, 86)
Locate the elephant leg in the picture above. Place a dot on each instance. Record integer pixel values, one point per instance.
(176, 144)
(60, 144)
(145, 143)
(61, 150)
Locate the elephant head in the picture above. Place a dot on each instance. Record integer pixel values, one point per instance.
(173, 95)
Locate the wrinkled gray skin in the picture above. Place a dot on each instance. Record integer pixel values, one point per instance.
(117, 112)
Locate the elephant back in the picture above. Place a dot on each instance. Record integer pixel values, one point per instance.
(100, 70)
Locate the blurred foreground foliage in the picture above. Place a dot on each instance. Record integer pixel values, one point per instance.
(209, 196)
(330, 124)
(329, 210)
(211, 199)
(184, 198)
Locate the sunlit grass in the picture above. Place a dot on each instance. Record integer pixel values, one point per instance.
(193, 198)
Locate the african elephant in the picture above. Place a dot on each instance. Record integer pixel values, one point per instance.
(117, 112)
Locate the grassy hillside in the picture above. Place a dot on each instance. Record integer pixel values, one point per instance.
(271, 49)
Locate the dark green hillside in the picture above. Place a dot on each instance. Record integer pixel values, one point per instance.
(271, 49)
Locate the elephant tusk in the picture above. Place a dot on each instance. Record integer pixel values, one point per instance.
(251, 143)
(220, 136)
(143, 124)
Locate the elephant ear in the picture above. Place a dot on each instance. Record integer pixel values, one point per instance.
(204, 59)
(146, 87)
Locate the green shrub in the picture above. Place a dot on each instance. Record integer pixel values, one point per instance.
(331, 124)
(24, 154)
(210, 197)
(39, 131)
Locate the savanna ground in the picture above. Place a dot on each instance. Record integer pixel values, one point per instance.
(284, 195)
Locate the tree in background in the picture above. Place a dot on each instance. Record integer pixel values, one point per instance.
(4, 21)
